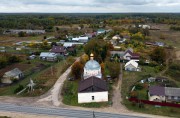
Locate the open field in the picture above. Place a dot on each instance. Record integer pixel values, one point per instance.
(169, 37)
(6, 40)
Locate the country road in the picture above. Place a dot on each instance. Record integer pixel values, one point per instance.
(68, 113)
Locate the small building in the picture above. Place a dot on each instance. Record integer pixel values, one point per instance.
(151, 79)
(160, 44)
(118, 53)
(145, 26)
(160, 94)
(48, 56)
(27, 31)
(12, 75)
(67, 44)
(75, 39)
(92, 89)
(59, 50)
(132, 66)
(83, 39)
(101, 31)
(116, 37)
(32, 57)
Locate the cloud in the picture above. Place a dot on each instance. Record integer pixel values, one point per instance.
(66, 6)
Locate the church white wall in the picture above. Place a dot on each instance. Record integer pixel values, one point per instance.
(98, 97)
(89, 73)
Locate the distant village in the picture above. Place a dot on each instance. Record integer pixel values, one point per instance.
(96, 62)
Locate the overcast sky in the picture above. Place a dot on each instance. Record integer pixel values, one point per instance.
(89, 6)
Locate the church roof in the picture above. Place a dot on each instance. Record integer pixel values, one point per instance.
(92, 65)
(92, 84)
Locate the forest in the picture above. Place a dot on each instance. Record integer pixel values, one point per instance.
(48, 21)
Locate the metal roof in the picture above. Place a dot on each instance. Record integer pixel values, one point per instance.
(157, 90)
(92, 65)
(12, 73)
(132, 62)
(95, 84)
(170, 91)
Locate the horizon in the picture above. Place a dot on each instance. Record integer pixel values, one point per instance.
(90, 6)
(89, 12)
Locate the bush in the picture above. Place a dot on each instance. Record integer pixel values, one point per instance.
(133, 94)
(20, 87)
(139, 87)
(113, 68)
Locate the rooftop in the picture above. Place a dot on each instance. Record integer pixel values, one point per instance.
(92, 84)
(157, 90)
(12, 73)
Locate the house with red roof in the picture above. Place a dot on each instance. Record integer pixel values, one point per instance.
(130, 55)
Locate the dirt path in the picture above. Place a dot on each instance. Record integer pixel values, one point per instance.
(167, 65)
(54, 95)
(117, 99)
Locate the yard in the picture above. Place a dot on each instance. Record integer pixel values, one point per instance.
(44, 74)
(130, 79)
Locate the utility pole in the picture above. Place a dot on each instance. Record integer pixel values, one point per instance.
(94, 115)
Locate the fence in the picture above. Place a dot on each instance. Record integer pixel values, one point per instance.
(154, 103)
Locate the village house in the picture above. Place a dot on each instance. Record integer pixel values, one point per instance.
(132, 66)
(125, 55)
(48, 56)
(92, 89)
(129, 55)
(12, 75)
(118, 39)
(166, 94)
(82, 39)
(59, 50)
(145, 26)
(160, 44)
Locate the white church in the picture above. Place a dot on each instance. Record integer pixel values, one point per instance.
(92, 88)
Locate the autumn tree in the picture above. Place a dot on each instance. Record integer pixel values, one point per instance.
(114, 69)
(22, 34)
(158, 55)
(77, 70)
(99, 48)
(84, 58)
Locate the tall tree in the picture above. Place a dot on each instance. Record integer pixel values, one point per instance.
(77, 70)
(158, 55)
